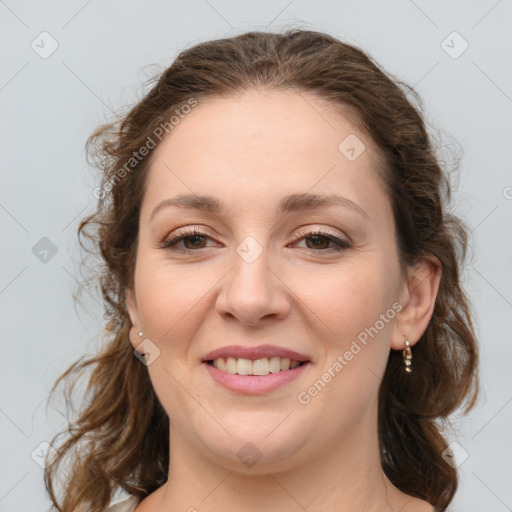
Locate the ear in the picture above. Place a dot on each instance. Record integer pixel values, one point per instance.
(418, 298)
(133, 312)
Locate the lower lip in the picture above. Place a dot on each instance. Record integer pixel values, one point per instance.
(254, 384)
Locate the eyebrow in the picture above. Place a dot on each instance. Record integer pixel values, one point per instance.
(288, 204)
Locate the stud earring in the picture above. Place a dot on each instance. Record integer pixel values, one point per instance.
(140, 334)
(407, 355)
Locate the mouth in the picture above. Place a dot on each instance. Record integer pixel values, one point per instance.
(255, 370)
(255, 367)
(255, 377)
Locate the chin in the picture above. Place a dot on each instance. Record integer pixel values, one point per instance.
(253, 451)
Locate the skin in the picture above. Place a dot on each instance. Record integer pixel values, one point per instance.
(249, 151)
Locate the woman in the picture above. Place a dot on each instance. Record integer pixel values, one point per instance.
(286, 324)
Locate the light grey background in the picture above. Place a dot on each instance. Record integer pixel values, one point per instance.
(106, 49)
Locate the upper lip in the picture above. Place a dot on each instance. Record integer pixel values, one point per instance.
(259, 352)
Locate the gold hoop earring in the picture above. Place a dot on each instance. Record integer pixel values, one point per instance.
(407, 354)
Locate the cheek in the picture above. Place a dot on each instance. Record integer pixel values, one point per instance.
(357, 316)
(170, 297)
(349, 299)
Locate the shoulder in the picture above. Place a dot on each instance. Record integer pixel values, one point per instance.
(127, 505)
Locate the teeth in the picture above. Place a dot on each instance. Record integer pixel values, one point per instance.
(294, 364)
(275, 364)
(231, 365)
(243, 366)
(263, 366)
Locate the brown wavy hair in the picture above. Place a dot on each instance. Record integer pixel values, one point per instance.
(120, 436)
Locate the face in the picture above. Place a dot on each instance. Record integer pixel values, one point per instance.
(322, 280)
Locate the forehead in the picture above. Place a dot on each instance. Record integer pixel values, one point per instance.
(277, 141)
(275, 121)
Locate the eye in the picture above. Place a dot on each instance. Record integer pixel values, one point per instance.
(192, 240)
(320, 239)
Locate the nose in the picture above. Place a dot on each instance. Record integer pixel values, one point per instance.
(253, 291)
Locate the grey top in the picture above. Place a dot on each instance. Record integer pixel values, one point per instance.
(124, 506)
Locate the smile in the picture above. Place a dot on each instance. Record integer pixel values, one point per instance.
(262, 366)
(253, 377)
